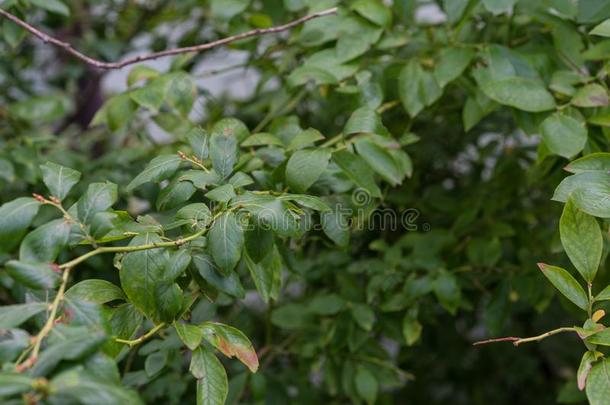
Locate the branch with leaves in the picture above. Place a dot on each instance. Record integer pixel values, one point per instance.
(67, 47)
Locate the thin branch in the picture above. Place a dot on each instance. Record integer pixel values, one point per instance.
(146, 336)
(48, 326)
(517, 340)
(176, 51)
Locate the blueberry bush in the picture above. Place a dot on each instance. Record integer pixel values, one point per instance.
(304, 201)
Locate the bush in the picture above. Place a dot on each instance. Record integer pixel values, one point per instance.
(365, 198)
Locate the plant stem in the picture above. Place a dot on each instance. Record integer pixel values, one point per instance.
(125, 249)
(144, 337)
(46, 329)
(517, 340)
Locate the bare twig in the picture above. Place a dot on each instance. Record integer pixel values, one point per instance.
(517, 340)
(168, 52)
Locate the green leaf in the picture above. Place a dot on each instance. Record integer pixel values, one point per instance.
(191, 335)
(356, 168)
(85, 388)
(380, 160)
(119, 111)
(267, 275)
(519, 92)
(308, 201)
(304, 139)
(168, 300)
(74, 346)
(566, 284)
(262, 139)
(40, 109)
(222, 194)
(44, 243)
(597, 337)
(586, 364)
(231, 127)
(291, 316)
(336, 226)
(14, 383)
(447, 291)
(591, 95)
(15, 217)
(498, 6)
(160, 168)
(452, 63)
(54, 6)
(198, 215)
(181, 92)
(598, 383)
(594, 162)
(411, 329)
(364, 120)
(363, 315)
(212, 382)
(35, 275)
(199, 140)
(563, 135)
(141, 273)
(602, 29)
(582, 240)
(98, 291)
(99, 197)
(326, 304)
(259, 242)
(226, 240)
(374, 11)
(305, 167)
(224, 152)
(604, 295)
(140, 73)
(152, 94)
(228, 284)
(417, 88)
(227, 9)
(175, 194)
(155, 362)
(59, 179)
(366, 385)
(124, 321)
(231, 342)
(14, 315)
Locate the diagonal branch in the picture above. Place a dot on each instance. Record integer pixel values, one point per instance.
(168, 52)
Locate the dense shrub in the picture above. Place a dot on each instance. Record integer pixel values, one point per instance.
(372, 201)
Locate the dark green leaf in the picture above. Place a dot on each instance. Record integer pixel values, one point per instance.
(35, 275)
(582, 240)
(99, 197)
(45, 242)
(226, 239)
(160, 168)
(305, 167)
(212, 383)
(14, 315)
(141, 273)
(358, 171)
(15, 217)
